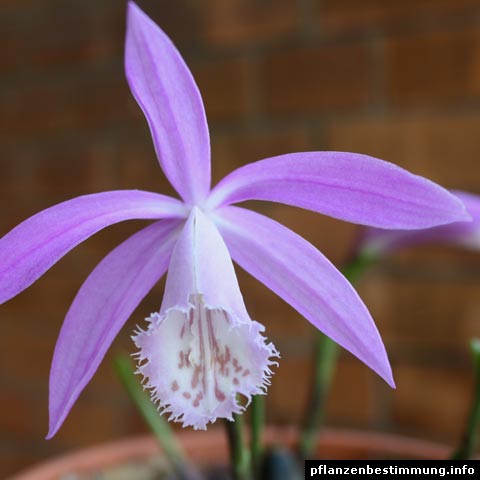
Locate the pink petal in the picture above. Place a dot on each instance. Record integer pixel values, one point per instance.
(349, 186)
(202, 348)
(31, 248)
(166, 92)
(102, 306)
(296, 271)
(377, 241)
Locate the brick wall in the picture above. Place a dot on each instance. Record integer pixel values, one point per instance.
(396, 80)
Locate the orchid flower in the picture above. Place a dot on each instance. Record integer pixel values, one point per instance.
(376, 242)
(201, 348)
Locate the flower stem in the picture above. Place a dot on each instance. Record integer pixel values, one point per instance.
(257, 412)
(354, 269)
(467, 445)
(158, 425)
(326, 352)
(325, 361)
(239, 454)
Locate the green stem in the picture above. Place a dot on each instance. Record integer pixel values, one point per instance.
(325, 361)
(257, 419)
(239, 455)
(469, 439)
(354, 269)
(326, 352)
(149, 412)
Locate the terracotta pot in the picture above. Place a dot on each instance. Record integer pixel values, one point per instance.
(210, 448)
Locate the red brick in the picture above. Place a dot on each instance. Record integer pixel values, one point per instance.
(283, 324)
(15, 409)
(10, 58)
(89, 423)
(137, 165)
(334, 238)
(292, 375)
(27, 417)
(441, 147)
(224, 87)
(25, 356)
(422, 316)
(34, 109)
(181, 21)
(431, 403)
(45, 38)
(21, 5)
(96, 416)
(344, 15)
(238, 22)
(352, 401)
(310, 81)
(456, 263)
(16, 458)
(42, 306)
(232, 150)
(65, 174)
(48, 37)
(440, 67)
(44, 174)
(67, 45)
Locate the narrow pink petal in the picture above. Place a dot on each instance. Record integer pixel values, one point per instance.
(349, 186)
(471, 202)
(375, 241)
(296, 271)
(166, 92)
(31, 248)
(102, 306)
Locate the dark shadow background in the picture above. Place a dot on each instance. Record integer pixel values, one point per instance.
(396, 80)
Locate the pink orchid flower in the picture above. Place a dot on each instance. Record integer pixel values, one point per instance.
(202, 349)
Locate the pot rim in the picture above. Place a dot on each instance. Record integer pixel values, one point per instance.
(199, 445)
